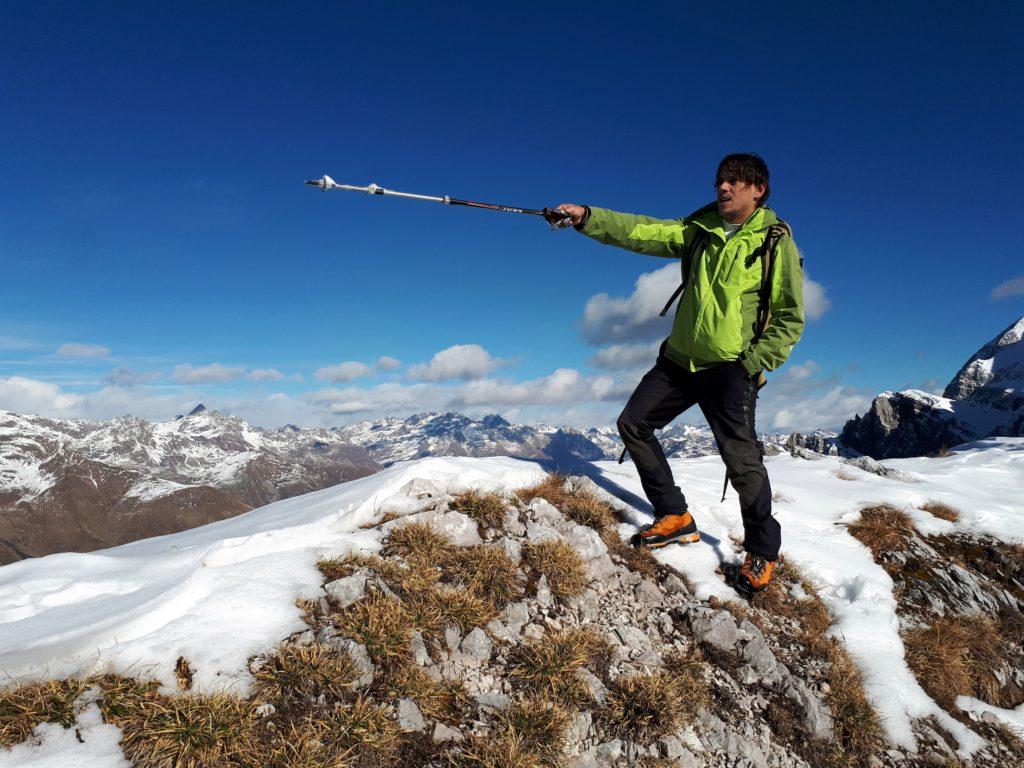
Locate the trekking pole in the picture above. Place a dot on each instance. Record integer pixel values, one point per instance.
(556, 217)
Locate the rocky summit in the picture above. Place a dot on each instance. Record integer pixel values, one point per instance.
(984, 399)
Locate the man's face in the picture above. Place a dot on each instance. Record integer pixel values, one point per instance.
(736, 199)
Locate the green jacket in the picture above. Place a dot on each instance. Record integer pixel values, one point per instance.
(717, 313)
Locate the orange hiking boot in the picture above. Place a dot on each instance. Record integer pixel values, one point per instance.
(753, 576)
(666, 530)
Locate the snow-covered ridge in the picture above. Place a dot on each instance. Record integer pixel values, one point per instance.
(221, 593)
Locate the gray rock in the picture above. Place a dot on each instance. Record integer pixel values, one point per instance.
(538, 532)
(587, 606)
(517, 615)
(586, 541)
(409, 716)
(265, 710)
(674, 585)
(632, 637)
(493, 701)
(419, 649)
(443, 733)
(511, 522)
(361, 659)
(716, 628)
(648, 592)
(347, 590)
(816, 714)
(543, 596)
(595, 687)
(579, 728)
(476, 647)
(609, 751)
(650, 659)
(452, 637)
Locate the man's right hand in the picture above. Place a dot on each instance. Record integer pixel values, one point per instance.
(576, 212)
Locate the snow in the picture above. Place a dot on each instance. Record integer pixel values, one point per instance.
(153, 488)
(217, 594)
(1011, 718)
(91, 743)
(221, 593)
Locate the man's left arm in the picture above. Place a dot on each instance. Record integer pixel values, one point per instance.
(787, 312)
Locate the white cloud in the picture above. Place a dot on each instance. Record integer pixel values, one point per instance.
(346, 371)
(122, 376)
(265, 374)
(797, 399)
(82, 350)
(387, 363)
(462, 361)
(1011, 287)
(619, 357)
(31, 396)
(816, 303)
(206, 374)
(608, 319)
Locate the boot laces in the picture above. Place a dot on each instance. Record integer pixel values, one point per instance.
(755, 565)
(667, 524)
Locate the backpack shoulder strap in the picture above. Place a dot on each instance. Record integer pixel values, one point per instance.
(698, 244)
(767, 255)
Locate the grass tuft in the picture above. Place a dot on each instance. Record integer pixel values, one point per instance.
(487, 571)
(562, 565)
(298, 673)
(645, 706)
(22, 709)
(486, 508)
(882, 528)
(419, 544)
(961, 656)
(942, 511)
(547, 666)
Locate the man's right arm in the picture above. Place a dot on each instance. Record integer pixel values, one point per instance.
(644, 234)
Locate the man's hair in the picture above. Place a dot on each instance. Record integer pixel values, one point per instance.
(746, 167)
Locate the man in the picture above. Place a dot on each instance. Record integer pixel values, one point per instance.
(739, 314)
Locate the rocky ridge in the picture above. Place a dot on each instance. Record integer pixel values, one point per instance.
(984, 399)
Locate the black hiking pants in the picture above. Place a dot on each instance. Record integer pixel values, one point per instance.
(726, 395)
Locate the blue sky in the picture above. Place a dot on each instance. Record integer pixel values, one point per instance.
(158, 247)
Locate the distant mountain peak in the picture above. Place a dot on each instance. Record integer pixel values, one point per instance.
(198, 409)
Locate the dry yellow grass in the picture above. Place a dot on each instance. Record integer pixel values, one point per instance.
(547, 667)
(25, 707)
(858, 735)
(486, 570)
(810, 613)
(487, 508)
(942, 511)
(960, 656)
(418, 544)
(644, 706)
(581, 507)
(844, 474)
(302, 673)
(562, 565)
(382, 624)
(528, 734)
(436, 699)
(882, 528)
